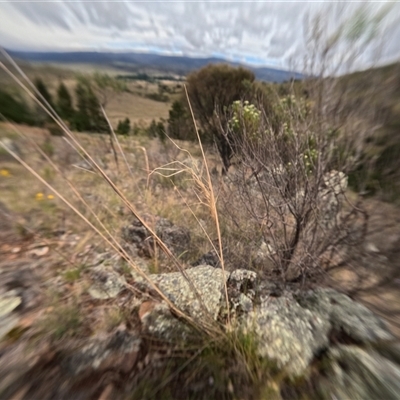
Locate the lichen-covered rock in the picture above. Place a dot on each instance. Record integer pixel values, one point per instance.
(241, 291)
(177, 238)
(331, 198)
(119, 351)
(346, 315)
(8, 303)
(293, 328)
(208, 282)
(243, 278)
(209, 258)
(286, 333)
(107, 284)
(19, 291)
(161, 324)
(356, 373)
(290, 328)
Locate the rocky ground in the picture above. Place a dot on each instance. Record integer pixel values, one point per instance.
(114, 337)
(78, 322)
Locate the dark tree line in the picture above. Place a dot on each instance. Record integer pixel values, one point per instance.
(86, 116)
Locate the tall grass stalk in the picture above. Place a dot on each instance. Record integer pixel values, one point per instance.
(212, 204)
(208, 325)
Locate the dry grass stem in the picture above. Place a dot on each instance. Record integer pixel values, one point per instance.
(208, 326)
(212, 204)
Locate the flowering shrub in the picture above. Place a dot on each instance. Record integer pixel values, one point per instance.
(295, 114)
(246, 119)
(294, 144)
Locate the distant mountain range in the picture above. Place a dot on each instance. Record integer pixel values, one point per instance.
(140, 62)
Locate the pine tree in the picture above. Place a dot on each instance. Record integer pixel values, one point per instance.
(124, 127)
(15, 109)
(180, 125)
(81, 119)
(64, 103)
(42, 89)
(88, 116)
(41, 116)
(98, 122)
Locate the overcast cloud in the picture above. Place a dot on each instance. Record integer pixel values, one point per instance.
(268, 33)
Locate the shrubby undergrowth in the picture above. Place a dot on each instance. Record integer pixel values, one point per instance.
(281, 206)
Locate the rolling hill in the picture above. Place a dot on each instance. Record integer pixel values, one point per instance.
(139, 62)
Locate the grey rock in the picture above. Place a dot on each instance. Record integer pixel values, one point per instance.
(210, 258)
(243, 278)
(141, 265)
(331, 198)
(107, 284)
(245, 303)
(292, 328)
(135, 232)
(286, 333)
(18, 277)
(19, 292)
(241, 292)
(346, 315)
(8, 303)
(356, 373)
(207, 280)
(11, 145)
(161, 324)
(175, 237)
(119, 351)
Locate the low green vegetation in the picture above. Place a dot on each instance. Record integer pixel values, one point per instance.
(124, 127)
(62, 322)
(217, 93)
(15, 108)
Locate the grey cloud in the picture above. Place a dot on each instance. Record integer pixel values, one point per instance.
(47, 14)
(105, 15)
(263, 30)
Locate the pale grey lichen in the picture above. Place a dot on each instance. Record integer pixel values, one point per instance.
(161, 324)
(290, 328)
(344, 314)
(8, 303)
(107, 284)
(286, 333)
(207, 281)
(121, 348)
(357, 373)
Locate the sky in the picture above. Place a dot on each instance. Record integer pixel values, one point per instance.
(270, 33)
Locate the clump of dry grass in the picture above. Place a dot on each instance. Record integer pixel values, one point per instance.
(82, 207)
